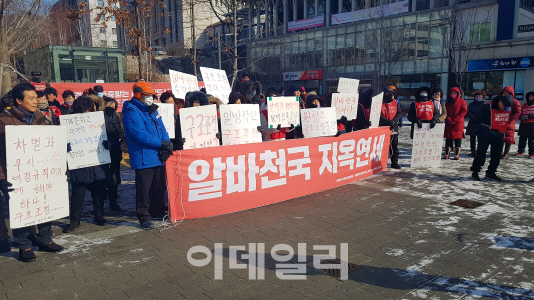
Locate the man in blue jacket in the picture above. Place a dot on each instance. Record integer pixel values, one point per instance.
(149, 147)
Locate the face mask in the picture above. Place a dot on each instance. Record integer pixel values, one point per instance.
(148, 100)
(454, 96)
(101, 95)
(508, 109)
(478, 98)
(530, 102)
(42, 105)
(109, 111)
(424, 96)
(69, 103)
(36, 79)
(388, 98)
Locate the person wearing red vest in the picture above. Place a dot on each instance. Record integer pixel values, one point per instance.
(526, 127)
(514, 115)
(422, 110)
(271, 134)
(39, 85)
(454, 123)
(364, 110)
(493, 119)
(391, 116)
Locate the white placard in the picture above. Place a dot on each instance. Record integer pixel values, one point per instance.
(36, 165)
(239, 124)
(345, 104)
(427, 143)
(182, 83)
(166, 111)
(318, 122)
(216, 83)
(348, 85)
(283, 111)
(376, 110)
(85, 133)
(199, 126)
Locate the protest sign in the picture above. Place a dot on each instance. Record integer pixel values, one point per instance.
(85, 133)
(376, 110)
(182, 83)
(36, 165)
(348, 85)
(205, 183)
(199, 126)
(427, 143)
(283, 111)
(239, 124)
(346, 105)
(318, 122)
(166, 111)
(216, 83)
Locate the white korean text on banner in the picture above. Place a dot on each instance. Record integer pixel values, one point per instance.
(427, 143)
(85, 133)
(199, 126)
(345, 104)
(166, 111)
(182, 83)
(376, 110)
(239, 124)
(36, 165)
(318, 122)
(348, 85)
(283, 111)
(216, 83)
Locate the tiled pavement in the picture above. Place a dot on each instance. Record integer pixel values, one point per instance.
(407, 241)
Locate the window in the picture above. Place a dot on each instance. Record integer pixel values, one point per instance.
(422, 4)
(102, 29)
(100, 3)
(115, 44)
(114, 30)
(103, 43)
(479, 32)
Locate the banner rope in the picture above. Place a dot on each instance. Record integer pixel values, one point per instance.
(167, 223)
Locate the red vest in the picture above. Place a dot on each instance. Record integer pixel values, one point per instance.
(389, 110)
(280, 135)
(425, 110)
(525, 111)
(500, 120)
(366, 111)
(40, 87)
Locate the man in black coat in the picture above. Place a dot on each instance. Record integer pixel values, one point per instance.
(115, 134)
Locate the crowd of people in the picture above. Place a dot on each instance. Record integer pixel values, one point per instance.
(491, 123)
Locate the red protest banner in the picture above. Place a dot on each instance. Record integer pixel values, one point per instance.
(203, 182)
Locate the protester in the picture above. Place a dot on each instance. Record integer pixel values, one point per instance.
(272, 92)
(168, 97)
(43, 106)
(236, 98)
(94, 178)
(509, 135)
(492, 118)
(437, 96)
(343, 126)
(51, 96)
(68, 99)
(454, 123)
(217, 102)
(39, 85)
(23, 112)
(149, 148)
(422, 110)
(471, 130)
(391, 116)
(115, 134)
(251, 91)
(271, 134)
(99, 90)
(364, 110)
(294, 90)
(526, 127)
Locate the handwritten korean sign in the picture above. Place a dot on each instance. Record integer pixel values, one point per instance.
(216, 83)
(376, 110)
(199, 126)
(166, 111)
(182, 83)
(427, 143)
(347, 85)
(239, 123)
(36, 166)
(283, 111)
(346, 105)
(318, 122)
(85, 133)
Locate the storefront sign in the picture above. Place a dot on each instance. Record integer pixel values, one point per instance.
(511, 63)
(303, 75)
(371, 13)
(525, 28)
(307, 23)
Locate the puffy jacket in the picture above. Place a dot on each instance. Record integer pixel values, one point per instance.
(509, 135)
(92, 174)
(472, 111)
(456, 111)
(144, 132)
(115, 135)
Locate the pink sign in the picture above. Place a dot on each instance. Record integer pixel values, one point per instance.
(306, 23)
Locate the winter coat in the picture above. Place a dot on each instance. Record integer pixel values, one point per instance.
(100, 173)
(115, 134)
(483, 120)
(412, 111)
(456, 111)
(472, 110)
(144, 131)
(393, 124)
(14, 116)
(440, 107)
(526, 129)
(509, 135)
(65, 110)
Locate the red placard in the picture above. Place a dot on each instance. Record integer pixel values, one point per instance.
(203, 182)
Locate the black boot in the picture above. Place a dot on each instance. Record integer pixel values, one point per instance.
(27, 255)
(71, 227)
(493, 176)
(395, 165)
(475, 176)
(51, 247)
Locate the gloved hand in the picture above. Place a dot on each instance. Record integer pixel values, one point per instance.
(338, 133)
(5, 188)
(69, 148)
(400, 123)
(279, 127)
(260, 129)
(218, 135)
(343, 120)
(291, 127)
(432, 123)
(106, 144)
(163, 155)
(449, 121)
(182, 140)
(419, 124)
(166, 146)
(523, 118)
